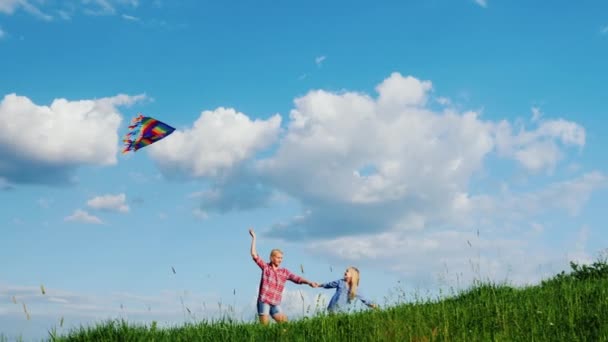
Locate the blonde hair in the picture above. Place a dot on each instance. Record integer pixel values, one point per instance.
(354, 283)
(275, 251)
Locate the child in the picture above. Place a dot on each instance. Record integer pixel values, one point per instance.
(346, 292)
(272, 283)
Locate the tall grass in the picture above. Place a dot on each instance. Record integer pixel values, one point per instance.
(567, 307)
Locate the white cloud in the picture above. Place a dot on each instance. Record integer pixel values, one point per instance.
(396, 93)
(219, 140)
(377, 175)
(83, 217)
(44, 144)
(110, 202)
(130, 18)
(65, 10)
(538, 149)
(319, 60)
(99, 7)
(451, 258)
(11, 6)
(482, 3)
(357, 163)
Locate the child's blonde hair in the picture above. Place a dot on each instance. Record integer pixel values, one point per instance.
(275, 251)
(354, 283)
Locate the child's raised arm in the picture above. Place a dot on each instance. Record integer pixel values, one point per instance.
(254, 253)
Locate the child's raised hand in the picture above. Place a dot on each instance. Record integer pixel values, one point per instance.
(252, 233)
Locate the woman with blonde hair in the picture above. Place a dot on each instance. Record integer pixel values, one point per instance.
(347, 291)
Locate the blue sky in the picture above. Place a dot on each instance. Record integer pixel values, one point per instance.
(428, 143)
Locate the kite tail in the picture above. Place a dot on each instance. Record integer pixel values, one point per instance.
(131, 136)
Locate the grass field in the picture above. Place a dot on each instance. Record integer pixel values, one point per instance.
(570, 306)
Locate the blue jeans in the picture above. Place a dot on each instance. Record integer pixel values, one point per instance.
(265, 309)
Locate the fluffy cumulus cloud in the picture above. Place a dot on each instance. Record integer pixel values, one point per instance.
(219, 141)
(45, 144)
(109, 203)
(361, 164)
(378, 174)
(82, 216)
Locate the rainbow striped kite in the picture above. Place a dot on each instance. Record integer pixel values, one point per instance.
(144, 131)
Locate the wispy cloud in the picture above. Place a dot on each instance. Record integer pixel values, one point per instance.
(83, 217)
(604, 30)
(319, 60)
(41, 9)
(444, 101)
(130, 18)
(482, 3)
(11, 6)
(110, 203)
(2, 33)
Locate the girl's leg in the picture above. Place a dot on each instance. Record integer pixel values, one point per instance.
(277, 314)
(280, 318)
(264, 319)
(263, 310)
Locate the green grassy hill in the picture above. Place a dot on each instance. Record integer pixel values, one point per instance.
(568, 307)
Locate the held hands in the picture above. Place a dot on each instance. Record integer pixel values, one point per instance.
(314, 284)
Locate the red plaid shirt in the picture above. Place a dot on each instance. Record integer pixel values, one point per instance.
(273, 282)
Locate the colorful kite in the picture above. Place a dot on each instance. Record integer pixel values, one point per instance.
(144, 131)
